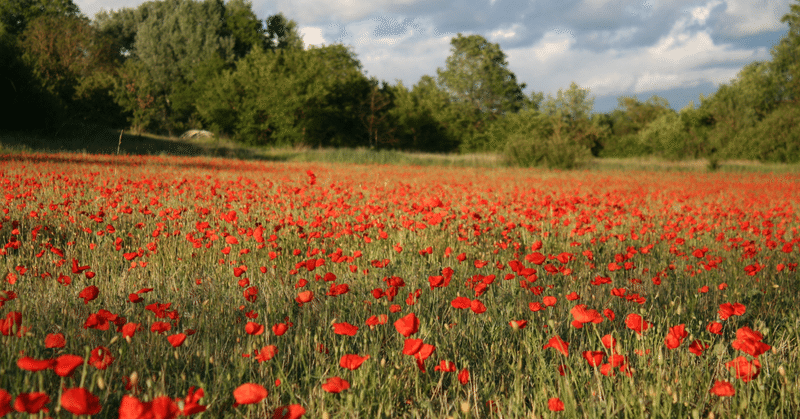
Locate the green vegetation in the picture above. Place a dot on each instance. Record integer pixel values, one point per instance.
(168, 66)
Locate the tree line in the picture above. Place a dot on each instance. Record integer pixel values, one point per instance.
(168, 66)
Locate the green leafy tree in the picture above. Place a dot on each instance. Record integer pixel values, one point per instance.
(480, 87)
(375, 117)
(570, 114)
(245, 27)
(424, 117)
(26, 102)
(290, 96)
(282, 33)
(784, 63)
(177, 42)
(477, 73)
(15, 15)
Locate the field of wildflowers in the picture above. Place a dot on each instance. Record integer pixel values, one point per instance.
(158, 287)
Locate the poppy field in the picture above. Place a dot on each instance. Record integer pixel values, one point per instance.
(159, 287)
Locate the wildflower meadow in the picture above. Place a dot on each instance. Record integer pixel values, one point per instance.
(159, 287)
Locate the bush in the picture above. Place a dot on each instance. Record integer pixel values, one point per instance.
(555, 153)
(666, 136)
(776, 138)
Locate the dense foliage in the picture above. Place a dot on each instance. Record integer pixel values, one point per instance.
(171, 65)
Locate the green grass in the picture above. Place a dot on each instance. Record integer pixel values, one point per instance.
(78, 138)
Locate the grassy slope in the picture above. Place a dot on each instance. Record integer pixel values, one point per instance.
(91, 140)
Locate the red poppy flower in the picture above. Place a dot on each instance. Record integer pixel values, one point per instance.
(744, 369)
(555, 404)
(78, 269)
(609, 341)
(722, 389)
(266, 353)
(352, 362)
(160, 327)
(345, 328)
(304, 297)
(445, 366)
(335, 385)
(727, 310)
(535, 258)
(535, 306)
(463, 376)
(29, 364)
(424, 352)
(293, 411)
(89, 293)
(572, 296)
(583, 315)
(373, 321)
(594, 358)
(101, 358)
(461, 302)
(279, 329)
(697, 347)
(54, 340)
(66, 364)
(253, 328)
(412, 346)
(477, 307)
(715, 328)
(176, 340)
(549, 301)
(31, 402)
(636, 323)
(609, 314)
(249, 393)
(749, 342)
(190, 405)
(5, 403)
(518, 324)
(407, 325)
(675, 336)
(80, 401)
(164, 407)
(558, 344)
(250, 294)
(130, 329)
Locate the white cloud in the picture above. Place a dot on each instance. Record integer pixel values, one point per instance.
(509, 33)
(747, 17)
(312, 36)
(552, 45)
(700, 14)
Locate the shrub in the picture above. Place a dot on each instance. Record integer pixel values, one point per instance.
(553, 152)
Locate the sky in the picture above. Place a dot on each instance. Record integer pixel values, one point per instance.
(676, 49)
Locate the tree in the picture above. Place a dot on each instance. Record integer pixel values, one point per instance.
(574, 103)
(290, 96)
(282, 33)
(243, 25)
(16, 14)
(424, 117)
(374, 114)
(784, 57)
(26, 102)
(569, 111)
(477, 74)
(177, 42)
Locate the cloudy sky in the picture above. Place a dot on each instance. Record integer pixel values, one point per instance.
(677, 49)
